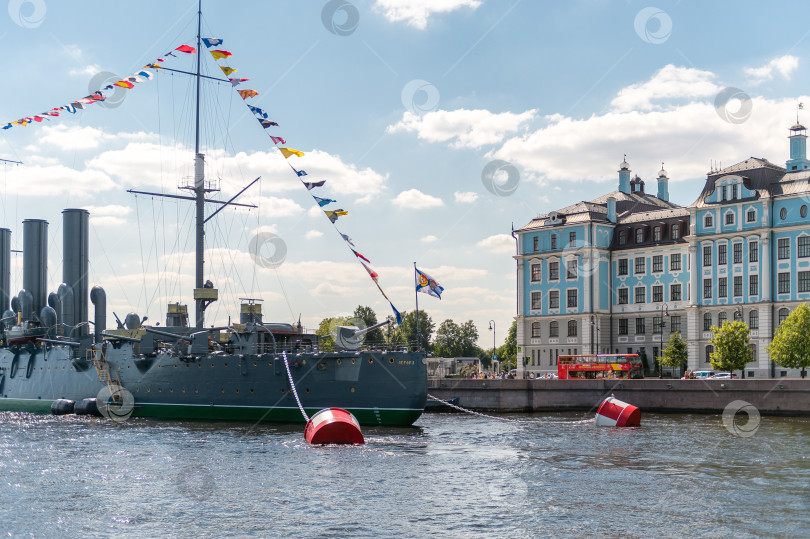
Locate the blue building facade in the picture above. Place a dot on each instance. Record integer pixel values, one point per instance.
(620, 273)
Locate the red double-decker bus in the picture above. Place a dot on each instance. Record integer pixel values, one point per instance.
(600, 366)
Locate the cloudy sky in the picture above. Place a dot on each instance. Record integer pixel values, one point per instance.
(401, 106)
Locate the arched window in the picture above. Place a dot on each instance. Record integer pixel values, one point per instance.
(707, 322)
(722, 317)
(709, 350)
(639, 235)
(572, 328)
(554, 329)
(783, 313)
(753, 319)
(535, 330)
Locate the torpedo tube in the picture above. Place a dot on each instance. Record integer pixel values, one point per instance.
(333, 426)
(615, 413)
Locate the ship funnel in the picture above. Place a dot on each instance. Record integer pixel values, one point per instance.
(75, 263)
(26, 304)
(65, 295)
(35, 263)
(5, 268)
(99, 299)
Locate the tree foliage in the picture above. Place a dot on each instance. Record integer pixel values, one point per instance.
(369, 318)
(675, 352)
(791, 344)
(453, 340)
(408, 328)
(731, 344)
(326, 343)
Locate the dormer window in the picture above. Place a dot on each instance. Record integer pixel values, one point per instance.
(724, 193)
(676, 231)
(622, 237)
(734, 192)
(708, 222)
(657, 233)
(639, 235)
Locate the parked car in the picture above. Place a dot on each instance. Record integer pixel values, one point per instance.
(723, 376)
(703, 375)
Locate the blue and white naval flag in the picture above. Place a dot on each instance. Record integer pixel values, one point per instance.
(428, 285)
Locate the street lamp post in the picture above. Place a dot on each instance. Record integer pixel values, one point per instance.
(596, 327)
(492, 328)
(661, 350)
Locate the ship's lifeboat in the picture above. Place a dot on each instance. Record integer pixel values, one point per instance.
(21, 335)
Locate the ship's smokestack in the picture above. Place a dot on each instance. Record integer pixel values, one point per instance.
(99, 299)
(35, 262)
(75, 263)
(5, 268)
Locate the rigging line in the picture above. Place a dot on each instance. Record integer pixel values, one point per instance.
(121, 286)
(161, 272)
(140, 245)
(155, 239)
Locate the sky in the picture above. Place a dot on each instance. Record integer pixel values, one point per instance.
(437, 124)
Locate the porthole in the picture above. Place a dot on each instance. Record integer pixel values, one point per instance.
(137, 390)
(339, 361)
(303, 362)
(251, 390)
(222, 390)
(237, 390)
(371, 360)
(183, 390)
(255, 364)
(282, 390)
(148, 389)
(352, 361)
(158, 365)
(803, 211)
(307, 390)
(226, 364)
(171, 390)
(175, 365)
(160, 390)
(128, 366)
(391, 360)
(321, 366)
(196, 390)
(199, 365)
(783, 213)
(351, 390)
(212, 365)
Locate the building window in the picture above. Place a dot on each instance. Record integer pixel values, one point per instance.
(658, 324)
(623, 296)
(721, 318)
(676, 231)
(708, 221)
(658, 293)
(571, 270)
(554, 271)
(803, 211)
(753, 319)
(536, 243)
(729, 218)
(553, 241)
(554, 329)
(640, 294)
(622, 237)
(639, 265)
(737, 253)
(622, 266)
(707, 289)
(707, 256)
(804, 281)
(783, 213)
(639, 235)
(572, 299)
(623, 326)
(536, 272)
(753, 285)
(709, 352)
(804, 246)
(753, 251)
(535, 330)
(674, 324)
(572, 238)
(734, 192)
(657, 233)
(784, 283)
(751, 216)
(639, 326)
(783, 248)
(553, 299)
(572, 328)
(783, 313)
(737, 286)
(725, 193)
(658, 264)
(722, 287)
(536, 301)
(675, 263)
(707, 322)
(675, 292)
(722, 254)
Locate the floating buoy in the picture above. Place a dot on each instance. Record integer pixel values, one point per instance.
(86, 407)
(615, 413)
(62, 407)
(333, 426)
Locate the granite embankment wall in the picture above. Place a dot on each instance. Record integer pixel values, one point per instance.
(776, 397)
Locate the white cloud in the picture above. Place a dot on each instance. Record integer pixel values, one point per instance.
(114, 210)
(670, 82)
(466, 128)
(430, 238)
(312, 234)
(88, 70)
(417, 12)
(414, 199)
(499, 243)
(278, 207)
(465, 198)
(784, 65)
(55, 180)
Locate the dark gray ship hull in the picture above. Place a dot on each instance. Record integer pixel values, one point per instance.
(378, 387)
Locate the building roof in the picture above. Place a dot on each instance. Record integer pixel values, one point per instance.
(758, 174)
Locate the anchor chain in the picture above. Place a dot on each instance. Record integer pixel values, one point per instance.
(292, 384)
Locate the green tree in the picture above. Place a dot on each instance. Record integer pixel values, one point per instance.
(509, 348)
(326, 343)
(369, 318)
(408, 328)
(731, 344)
(675, 352)
(453, 340)
(791, 343)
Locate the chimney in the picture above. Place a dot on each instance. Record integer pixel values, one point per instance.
(611, 209)
(75, 262)
(35, 262)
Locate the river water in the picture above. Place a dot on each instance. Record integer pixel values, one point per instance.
(453, 475)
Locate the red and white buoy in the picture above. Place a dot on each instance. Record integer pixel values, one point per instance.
(615, 413)
(333, 426)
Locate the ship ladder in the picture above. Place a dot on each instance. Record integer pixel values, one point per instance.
(104, 375)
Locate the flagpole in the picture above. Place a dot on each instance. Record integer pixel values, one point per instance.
(416, 295)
